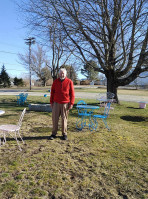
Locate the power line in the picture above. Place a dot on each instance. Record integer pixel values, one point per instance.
(8, 52)
(13, 65)
(10, 64)
(10, 45)
(15, 70)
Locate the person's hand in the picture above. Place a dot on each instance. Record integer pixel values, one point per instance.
(70, 106)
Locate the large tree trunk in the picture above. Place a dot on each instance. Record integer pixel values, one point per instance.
(111, 84)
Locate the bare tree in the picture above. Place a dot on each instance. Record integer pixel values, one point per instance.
(39, 63)
(43, 22)
(114, 32)
(59, 55)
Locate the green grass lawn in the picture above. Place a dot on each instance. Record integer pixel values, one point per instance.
(99, 165)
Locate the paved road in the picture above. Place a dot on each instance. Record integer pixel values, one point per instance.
(131, 98)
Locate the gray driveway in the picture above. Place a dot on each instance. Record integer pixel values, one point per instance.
(131, 98)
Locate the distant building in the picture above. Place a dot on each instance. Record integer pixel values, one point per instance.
(141, 81)
(103, 82)
(92, 83)
(85, 82)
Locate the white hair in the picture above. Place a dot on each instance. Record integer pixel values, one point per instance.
(63, 70)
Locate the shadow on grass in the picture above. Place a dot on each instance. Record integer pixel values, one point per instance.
(8, 115)
(133, 108)
(29, 138)
(37, 102)
(11, 106)
(34, 138)
(8, 105)
(134, 118)
(41, 129)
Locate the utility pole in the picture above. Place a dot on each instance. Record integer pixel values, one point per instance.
(30, 41)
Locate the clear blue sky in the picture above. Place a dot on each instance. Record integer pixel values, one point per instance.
(12, 35)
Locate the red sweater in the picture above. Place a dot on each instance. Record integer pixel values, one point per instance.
(62, 92)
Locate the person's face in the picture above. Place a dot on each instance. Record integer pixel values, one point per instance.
(62, 75)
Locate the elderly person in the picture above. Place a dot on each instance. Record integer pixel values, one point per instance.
(61, 99)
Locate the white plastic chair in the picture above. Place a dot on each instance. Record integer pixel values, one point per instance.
(104, 98)
(110, 97)
(12, 130)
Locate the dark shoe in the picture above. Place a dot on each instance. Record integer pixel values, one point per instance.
(52, 137)
(65, 137)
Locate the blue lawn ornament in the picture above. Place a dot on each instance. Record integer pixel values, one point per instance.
(45, 95)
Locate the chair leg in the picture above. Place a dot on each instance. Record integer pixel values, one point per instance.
(4, 141)
(21, 137)
(93, 124)
(104, 120)
(79, 124)
(17, 141)
(96, 123)
(84, 121)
